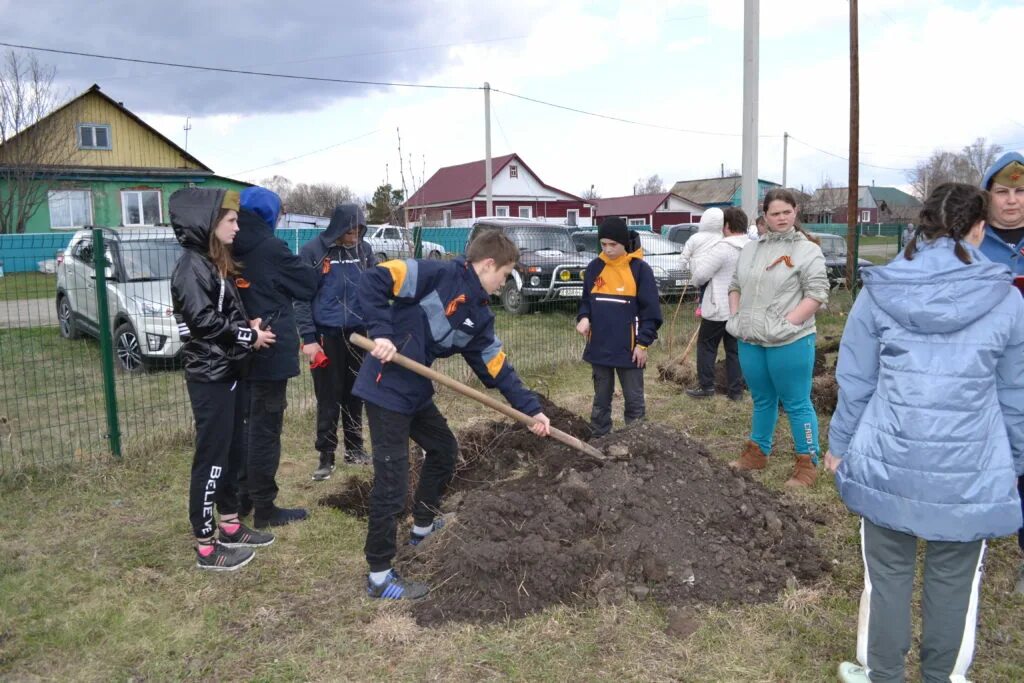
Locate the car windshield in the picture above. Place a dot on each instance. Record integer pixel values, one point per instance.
(833, 246)
(588, 240)
(539, 239)
(656, 245)
(149, 259)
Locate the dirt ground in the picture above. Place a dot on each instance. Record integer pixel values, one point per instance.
(533, 523)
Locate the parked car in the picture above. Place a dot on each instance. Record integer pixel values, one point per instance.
(549, 268)
(834, 249)
(138, 273)
(680, 232)
(661, 254)
(394, 241)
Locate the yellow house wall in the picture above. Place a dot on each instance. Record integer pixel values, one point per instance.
(132, 145)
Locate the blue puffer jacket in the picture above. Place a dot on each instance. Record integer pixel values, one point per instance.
(930, 421)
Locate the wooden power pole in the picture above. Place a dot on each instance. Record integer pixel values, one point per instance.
(853, 186)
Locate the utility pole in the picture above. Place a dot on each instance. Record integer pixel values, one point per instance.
(853, 186)
(187, 128)
(487, 147)
(785, 155)
(751, 24)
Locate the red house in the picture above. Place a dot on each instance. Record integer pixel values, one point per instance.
(456, 196)
(655, 210)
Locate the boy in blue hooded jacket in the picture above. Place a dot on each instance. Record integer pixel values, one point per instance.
(341, 256)
(928, 436)
(271, 278)
(427, 309)
(619, 314)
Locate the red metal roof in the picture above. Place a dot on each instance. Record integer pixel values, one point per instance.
(630, 205)
(465, 181)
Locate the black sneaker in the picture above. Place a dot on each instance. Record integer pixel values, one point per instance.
(324, 469)
(224, 558)
(276, 516)
(357, 456)
(245, 538)
(396, 588)
(700, 393)
(736, 397)
(416, 539)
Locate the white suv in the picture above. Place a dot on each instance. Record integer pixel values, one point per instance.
(394, 241)
(139, 266)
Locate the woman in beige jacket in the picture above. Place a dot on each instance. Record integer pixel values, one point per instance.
(779, 285)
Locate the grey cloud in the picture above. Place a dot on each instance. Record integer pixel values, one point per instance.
(323, 39)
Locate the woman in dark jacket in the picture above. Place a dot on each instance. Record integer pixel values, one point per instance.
(218, 336)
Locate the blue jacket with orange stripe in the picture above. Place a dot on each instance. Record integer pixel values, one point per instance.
(432, 309)
(620, 297)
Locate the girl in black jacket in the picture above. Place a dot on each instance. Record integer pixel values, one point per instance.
(217, 335)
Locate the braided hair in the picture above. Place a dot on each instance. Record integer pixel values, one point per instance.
(951, 210)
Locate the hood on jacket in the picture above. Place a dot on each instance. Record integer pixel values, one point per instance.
(264, 203)
(936, 293)
(344, 218)
(712, 220)
(193, 214)
(252, 231)
(998, 166)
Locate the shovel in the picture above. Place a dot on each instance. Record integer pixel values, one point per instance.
(420, 369)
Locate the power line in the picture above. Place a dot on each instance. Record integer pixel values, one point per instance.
(624, 120)
(244, 72)
(839, 156)
(301, 156)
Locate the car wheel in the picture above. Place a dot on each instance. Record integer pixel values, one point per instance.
(66, 319)
(513, 300)
(435, 254)
(381, 257)
(128, 349)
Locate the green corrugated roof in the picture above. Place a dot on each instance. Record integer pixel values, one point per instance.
(893, 197)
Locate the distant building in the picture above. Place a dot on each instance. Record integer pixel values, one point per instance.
(117, 170)
(655, 210)
(874, 205)
(719, 192)
(456, 196)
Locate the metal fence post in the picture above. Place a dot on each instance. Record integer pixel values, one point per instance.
(106, 342)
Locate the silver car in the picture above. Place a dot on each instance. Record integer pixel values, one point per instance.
(138, 272)
(396, 242)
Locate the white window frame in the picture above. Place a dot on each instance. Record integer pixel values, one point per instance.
(528, 210)
(513, 171)
(142, 213)
(575, 214)
(50, 198)
(447, 216)
(92, 127)
(865, 216)
(501, 212)
(633, 222)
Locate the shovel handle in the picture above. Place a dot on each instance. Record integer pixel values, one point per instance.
(431, 374)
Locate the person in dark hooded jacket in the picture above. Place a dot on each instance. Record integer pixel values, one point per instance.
(271, 278)
(340, 255)
(218, 337)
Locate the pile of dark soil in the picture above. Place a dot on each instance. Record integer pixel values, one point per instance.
(534, 523)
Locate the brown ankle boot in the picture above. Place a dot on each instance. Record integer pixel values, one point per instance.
(804, 472)
(752, 458)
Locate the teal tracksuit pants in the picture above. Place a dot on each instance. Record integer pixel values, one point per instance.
(782, 373)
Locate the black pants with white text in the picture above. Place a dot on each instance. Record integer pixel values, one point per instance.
(218, 411)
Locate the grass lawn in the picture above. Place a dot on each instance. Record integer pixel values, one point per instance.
(97, 580)
(15, 286)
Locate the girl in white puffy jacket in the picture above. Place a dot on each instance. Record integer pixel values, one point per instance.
(708, 235)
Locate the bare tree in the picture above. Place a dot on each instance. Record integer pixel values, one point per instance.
(590, 193)
(317, 199)
(29, 162)
(652, 185)
(278, 184)
(966, 166)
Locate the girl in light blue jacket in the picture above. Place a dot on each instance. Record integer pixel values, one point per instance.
(928, 435)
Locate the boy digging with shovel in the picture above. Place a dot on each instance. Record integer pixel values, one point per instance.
(427, 309)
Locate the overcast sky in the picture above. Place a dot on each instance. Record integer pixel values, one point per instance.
(934, 73)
